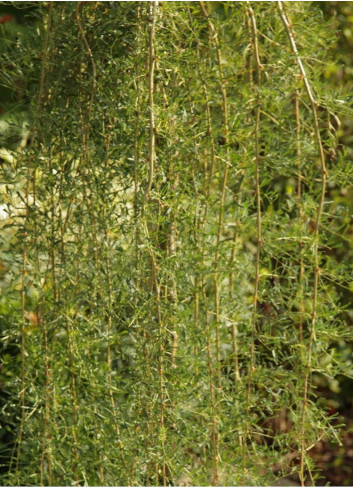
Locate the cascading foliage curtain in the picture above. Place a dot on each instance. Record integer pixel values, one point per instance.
(173, 292)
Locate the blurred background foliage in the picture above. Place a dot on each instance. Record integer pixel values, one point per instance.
(15, 19)
(335, 461)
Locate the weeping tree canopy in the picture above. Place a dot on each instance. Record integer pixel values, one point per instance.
(171, 290)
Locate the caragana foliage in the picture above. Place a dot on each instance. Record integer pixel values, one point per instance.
(168, 230)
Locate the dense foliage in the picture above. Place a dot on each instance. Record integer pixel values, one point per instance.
(172, 219)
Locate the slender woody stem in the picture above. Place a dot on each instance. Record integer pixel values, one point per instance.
(258, 221)
(46, 435)
(200, 224)
(23, 324)
(24, 260)
(152, 137)
(155, 285)
(290, 34)
(90, 55)
(301, 215)
(214, 432)
(223, 88)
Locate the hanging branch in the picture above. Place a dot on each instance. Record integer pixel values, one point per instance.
(234, 330)
(93, 63)
(155, 285)
(290, 34)
(145, 405)
(70, 344)
(200, 221)
(197, 223)
(98, 252)
(152, 137)
(23, 324)
(109, 330)
(237, 227)
(207, 190)
(157, 292)
(86, 130)
(167, 233)
(107, 262)
(208, 172)
(144, 397)
(136, 141)
(63, 298)
(24, 270)
(223, 88)
(214, 432)
(258, 222)
(301, 214)
(108, 312)
(51, 252)
(46, 434)
(250, 69)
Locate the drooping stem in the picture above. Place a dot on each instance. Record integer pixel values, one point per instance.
(31, 177)
(156, 291)
(214, 432)
(301, 216)
(46, 455)
(152, 137)
(257, 89)
(137, 84)
(234, 330)
(70, 342)
(155, 286)
(23, 324)
(93, 63)
(109, 331)
(225, 124)
(208, 168)
(36, 131)
(202, 207)
(316, 269)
